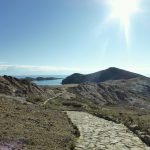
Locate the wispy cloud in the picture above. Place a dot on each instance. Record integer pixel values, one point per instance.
(41, 69)
(31, 69)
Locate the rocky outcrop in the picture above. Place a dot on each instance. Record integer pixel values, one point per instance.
(18, 87)
(133, 91)
(101, 76)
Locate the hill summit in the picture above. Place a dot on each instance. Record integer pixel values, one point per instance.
(101, 76)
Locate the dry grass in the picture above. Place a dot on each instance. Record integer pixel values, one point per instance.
(46, 127)
(38, 127)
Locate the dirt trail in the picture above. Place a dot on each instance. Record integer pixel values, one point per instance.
(57, 95)
(99, 134)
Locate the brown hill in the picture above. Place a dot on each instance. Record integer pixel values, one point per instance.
(101, 76)
(132, 91)
(17, 87)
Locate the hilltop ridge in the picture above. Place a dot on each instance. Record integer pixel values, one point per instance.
(111, 73)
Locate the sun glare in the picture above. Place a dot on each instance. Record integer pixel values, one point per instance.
(122, 11)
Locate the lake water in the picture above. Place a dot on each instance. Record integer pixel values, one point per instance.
(47, 82)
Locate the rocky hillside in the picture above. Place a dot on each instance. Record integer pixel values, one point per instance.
(16, 87)
(101, 76)
(132, 91)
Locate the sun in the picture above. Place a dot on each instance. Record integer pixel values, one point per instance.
(122, 11)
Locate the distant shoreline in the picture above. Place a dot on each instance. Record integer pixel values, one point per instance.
(41, 78)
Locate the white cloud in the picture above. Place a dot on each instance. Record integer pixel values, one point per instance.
(30, 69)
(41, 69)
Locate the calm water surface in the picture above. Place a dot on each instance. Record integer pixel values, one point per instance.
(47, 82)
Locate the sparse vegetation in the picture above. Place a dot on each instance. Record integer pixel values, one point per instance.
(35, 100)
(36, 126)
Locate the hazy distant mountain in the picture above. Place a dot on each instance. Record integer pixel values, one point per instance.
(101, 76)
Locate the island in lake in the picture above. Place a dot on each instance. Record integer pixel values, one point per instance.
(41, 78)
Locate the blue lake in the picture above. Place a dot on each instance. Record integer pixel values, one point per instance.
(47, 82)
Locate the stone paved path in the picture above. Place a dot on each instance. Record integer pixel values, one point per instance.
(99, 134)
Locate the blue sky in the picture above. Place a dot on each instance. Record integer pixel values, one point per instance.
(67, 36)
